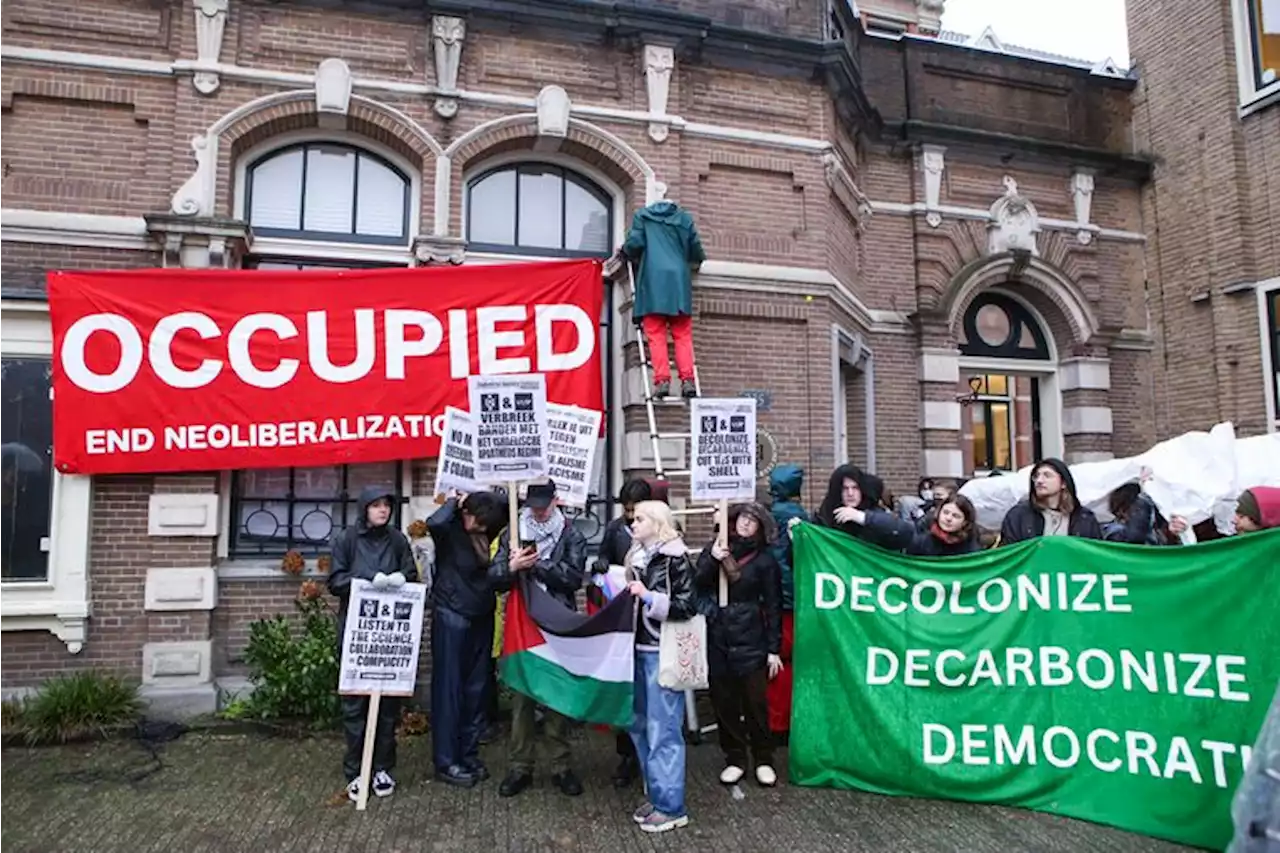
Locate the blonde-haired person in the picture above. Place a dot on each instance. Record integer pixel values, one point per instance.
(662, 579)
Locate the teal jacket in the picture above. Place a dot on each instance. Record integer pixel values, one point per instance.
(665, 242)
(785, 484)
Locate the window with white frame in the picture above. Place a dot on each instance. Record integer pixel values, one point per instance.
(317, 197)
(1257, 28)
(538, 209)
(1269, 316)
(27, 466)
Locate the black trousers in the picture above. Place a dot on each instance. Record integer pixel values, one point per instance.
(742, 717)
(461, 652)
(355, 711)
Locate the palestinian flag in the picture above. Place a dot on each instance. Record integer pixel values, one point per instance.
(580, 665)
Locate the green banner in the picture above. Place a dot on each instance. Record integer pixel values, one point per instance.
(1119, 684)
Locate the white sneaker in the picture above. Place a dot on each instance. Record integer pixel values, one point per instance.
(353, 790)
(766, 776)
(383, 784)
(732, 775)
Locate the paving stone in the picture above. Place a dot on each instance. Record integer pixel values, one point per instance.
(219, 793)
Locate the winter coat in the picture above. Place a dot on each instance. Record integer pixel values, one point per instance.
(614, 545)
(881, 527)
(742, 634)
(1140, 528)
(926, 544)
(785, 483)
(361, 551)
(1255, 810)
(669, 579)
(665, 242)
(1025, 521)
(561, 574)
(465, 583)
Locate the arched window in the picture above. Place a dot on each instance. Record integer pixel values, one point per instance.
(538, 209)
(996, 326)
(327, 191)
(320, 192)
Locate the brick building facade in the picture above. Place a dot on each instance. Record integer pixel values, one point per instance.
(1208, 102)
(894, 218)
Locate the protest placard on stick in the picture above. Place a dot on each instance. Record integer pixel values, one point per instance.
(724, 449)
(510, 418)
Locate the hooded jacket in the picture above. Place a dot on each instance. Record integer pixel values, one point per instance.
(882, 528)
(785, 485)
(742, 634)
(665, 242)
(362, 550)
(1025, 521)
(465, 583)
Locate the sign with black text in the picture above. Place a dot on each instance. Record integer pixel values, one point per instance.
(724, 449)
(381, 639)
(456, 467)
(510, 418)
(571, 451)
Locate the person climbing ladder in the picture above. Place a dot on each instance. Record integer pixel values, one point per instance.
(664, 243)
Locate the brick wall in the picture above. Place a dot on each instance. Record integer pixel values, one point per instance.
(1210, 214)
(114, 143)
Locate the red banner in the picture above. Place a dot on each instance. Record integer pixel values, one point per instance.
(197, 370)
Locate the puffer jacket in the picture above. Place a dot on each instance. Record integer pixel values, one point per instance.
(561, 574)
(743, 633)
(669, 577)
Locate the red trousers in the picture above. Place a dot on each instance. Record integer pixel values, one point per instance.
(778, 693)
(655, 332)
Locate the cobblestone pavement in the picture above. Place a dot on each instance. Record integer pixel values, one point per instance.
(225, 793)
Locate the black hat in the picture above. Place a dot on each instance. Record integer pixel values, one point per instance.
(540, 495)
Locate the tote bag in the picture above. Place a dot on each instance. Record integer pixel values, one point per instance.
(682, 652)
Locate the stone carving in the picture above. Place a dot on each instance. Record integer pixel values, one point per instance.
(553, 112)
(447, 35)
(933, 164)
(658, 64)
(846, 190)
(211, 23)
(333, 88)
(929, 14)
(1014, 222)
(195, 196)
(1082, 193)
(439, 250)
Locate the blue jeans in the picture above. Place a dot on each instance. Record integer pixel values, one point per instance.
(658, 732)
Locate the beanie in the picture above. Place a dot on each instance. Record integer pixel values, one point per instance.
(1247, 505)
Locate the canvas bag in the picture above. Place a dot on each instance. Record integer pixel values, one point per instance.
(682, 652)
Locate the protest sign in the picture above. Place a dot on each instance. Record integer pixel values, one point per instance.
(381, 639)
(1123, 685)
(572, 435)
(724, 449)
(185, 370)
(456, 467)
(510, 418)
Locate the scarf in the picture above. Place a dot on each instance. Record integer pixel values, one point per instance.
(949, 538)
(741, 552)
(545, 534)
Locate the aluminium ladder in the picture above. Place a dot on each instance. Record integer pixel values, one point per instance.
(656, 438)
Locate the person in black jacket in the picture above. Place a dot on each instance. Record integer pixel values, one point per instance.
(463, 603)
(954, 530)
(663, 581)
(370, 549)
(744, 639)
(554, 553)
(1051, 509)
(851, 507)
(613, 552)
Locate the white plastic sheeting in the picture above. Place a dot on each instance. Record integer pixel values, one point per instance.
(1197, 476)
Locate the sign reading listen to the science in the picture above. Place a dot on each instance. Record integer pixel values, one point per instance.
(1119, 684)
(180, 370)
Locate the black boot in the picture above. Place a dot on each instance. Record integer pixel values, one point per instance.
(516, 781)
(626, 773)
